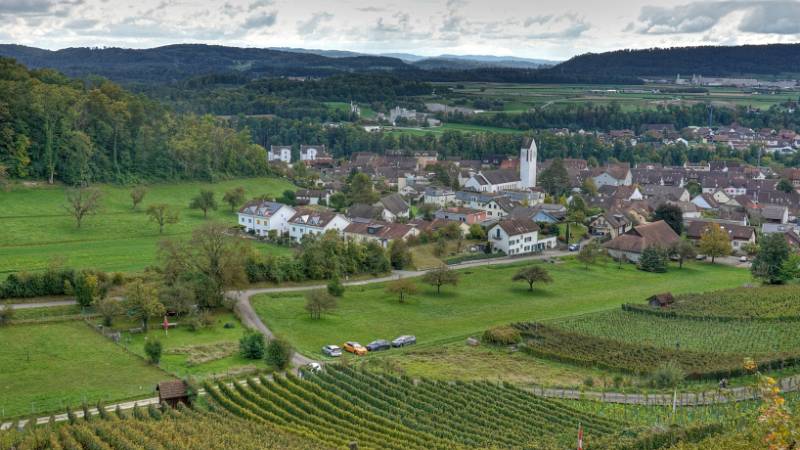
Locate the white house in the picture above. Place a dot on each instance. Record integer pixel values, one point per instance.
(280, 153)
(315, 222)
(381, 232)
(394, 208)
(262, 217)
(499, 207)
(518, 236)
(613, 175)
(312, 152)
(440, 197)
(508, 179)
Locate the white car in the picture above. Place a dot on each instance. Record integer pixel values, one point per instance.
(332, 350)
(313, 367)
(743, 259)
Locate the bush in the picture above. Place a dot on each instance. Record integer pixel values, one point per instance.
(505, 335)
(153, 350)
(26, 285)
(588, 382)
(6, 314)
(251, 346)
(335, 287)
(279, 353)
(667, 376)
(199, 320)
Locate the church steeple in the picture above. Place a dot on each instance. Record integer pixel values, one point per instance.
(527, 163)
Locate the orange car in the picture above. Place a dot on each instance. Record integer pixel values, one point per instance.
(355, 348)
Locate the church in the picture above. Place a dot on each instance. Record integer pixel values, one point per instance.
(507, 179)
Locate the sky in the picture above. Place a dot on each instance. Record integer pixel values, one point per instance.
(553, 30)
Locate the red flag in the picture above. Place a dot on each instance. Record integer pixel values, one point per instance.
(580, 437)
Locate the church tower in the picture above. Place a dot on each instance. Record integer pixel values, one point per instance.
(527, 164)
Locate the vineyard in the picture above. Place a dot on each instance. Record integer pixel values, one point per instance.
(766, 303)
(550, 342)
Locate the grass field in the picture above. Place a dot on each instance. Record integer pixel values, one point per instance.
(45, 367)
(485, 297)
(211, 351)
(38, 231)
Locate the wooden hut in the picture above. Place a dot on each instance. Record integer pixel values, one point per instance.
(173, 392)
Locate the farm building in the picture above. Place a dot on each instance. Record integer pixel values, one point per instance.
(173, 392)
(661, 300)
(631, 244)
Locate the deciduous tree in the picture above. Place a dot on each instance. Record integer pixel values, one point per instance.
(319, 301)
(137, 195)
(769, 265)
(162, 214)
(532, 275)
(204, 201)
(441, 276)
(714, 242)
(672, 215)
(234, 197)
(683, 250)
(402, 287)
(589, 253)
(142, 304)
(82, 202)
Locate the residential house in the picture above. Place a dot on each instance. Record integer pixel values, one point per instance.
(614, 175)
(280, 153)
(705, 201)
(518, 236)
(499, 207)
(364, 212)
(261, 217)
(610, 224)
(394, 208)
(631, 244)
(542, 213)
(381, 232)
(307, 222)
(313, 196)
(314, 154)
(775, 214)
(739, 234)
(464, 215)
(673, 193)
(438, 196)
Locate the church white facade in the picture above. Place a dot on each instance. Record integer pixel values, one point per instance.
(505, 179)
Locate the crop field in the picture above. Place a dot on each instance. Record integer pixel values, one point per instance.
(45, 367)
(484, 297)
(765, 303)
(37, 231)
(522, 97)
(342, 405)
(743, 337)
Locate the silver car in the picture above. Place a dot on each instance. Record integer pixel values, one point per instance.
(332, 350)
(404, 340)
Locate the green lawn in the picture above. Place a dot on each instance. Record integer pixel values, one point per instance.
(485, 297)
(211, 351)
(37, 230)
(45, 367)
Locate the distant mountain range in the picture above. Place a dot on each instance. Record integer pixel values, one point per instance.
(180, 62)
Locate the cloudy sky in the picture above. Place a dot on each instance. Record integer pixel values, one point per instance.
(529, 28)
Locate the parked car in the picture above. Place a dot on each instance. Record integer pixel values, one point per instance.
(743, 259)
(380, 344)
(313, 367)
(332, 350)
(701, 257)
(404, 340)
(573, 247)
(355, 348)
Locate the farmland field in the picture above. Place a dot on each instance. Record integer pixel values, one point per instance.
(48, 366)
(484, 297)
(37, 230)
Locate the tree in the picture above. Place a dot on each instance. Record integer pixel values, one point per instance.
(137, 195)
(477, 232)
(751, 248)
(141, 302)
(683, 250)
(694, 188)
(531, 275)
(86, 287)
(784, 185)
(399, 254)
(589, 187)
(653, 259)
(211, 260)
(441, 276)
(6, 314)
(769, 264)
(359, 189)
(319, 301)
(335, 287)
(589, 253)
(162, 214)
(279, 353)
(402, 287)
(153, 350)
(555, 179)
(672, 215)
(108, 309)
(234, 197)
(289, 197)
(82, 202)
(204, 201)
(252, 345)
(715, 242)
(338, 201)
(440, 247)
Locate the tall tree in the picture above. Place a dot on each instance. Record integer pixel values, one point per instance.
(672, 215)
(359, 189)
(402, 287)
(234, 197)
(319, 301)
(555, 179)
(441, 276)
(204, 201)
(162, 214)
(714, 242)
(683, 250)
(137, 195)
(82, 202)
(399, 255)
(784, 185)
(769, 263)
(532, 275)
(141, 302)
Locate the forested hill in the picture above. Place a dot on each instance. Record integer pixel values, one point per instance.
(772, 59)
(178, 62)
